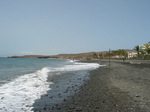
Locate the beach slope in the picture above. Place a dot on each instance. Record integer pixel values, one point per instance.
(124, 87)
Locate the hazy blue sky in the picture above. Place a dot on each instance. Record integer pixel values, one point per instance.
(72, 26)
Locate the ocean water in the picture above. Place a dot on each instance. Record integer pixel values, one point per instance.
(23, 81)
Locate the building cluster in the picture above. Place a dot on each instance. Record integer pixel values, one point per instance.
(130, 54)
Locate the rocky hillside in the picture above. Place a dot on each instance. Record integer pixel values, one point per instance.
(88, 55)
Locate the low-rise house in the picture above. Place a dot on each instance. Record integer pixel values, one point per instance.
(131, 53)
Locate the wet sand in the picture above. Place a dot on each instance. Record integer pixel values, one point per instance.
(124, 87)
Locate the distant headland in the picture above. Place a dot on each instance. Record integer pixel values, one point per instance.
(138, 52)
(86, 56)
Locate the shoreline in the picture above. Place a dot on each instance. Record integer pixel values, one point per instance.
(65, 85)
(122, 88)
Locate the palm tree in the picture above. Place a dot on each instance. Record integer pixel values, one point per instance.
(137, 49)
(146, 48)
(142, 50)
(95, 55)
(101, 56)
(122, 52)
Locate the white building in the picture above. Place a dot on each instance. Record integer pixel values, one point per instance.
(131, 53)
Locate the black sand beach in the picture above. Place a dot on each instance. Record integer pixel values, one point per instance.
(124, 87)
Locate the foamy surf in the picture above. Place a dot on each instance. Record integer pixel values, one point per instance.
(76, 66)
(20, 94)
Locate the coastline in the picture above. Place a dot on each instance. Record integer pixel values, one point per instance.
(65, 85)
(124, 87)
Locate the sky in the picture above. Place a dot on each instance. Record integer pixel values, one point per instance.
(50, 27)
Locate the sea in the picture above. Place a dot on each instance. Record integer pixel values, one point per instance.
(23, 81)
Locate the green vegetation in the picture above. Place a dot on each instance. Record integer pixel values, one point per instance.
(137, 49)
(138, 52)
(143, 52)
(100, 56)
(146, 48)
(95, 56)
(121, 53)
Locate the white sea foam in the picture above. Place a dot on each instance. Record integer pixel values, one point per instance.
(81, 66)
(76, 66)
(19, 94)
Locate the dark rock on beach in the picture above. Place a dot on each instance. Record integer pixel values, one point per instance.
(124, 87)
